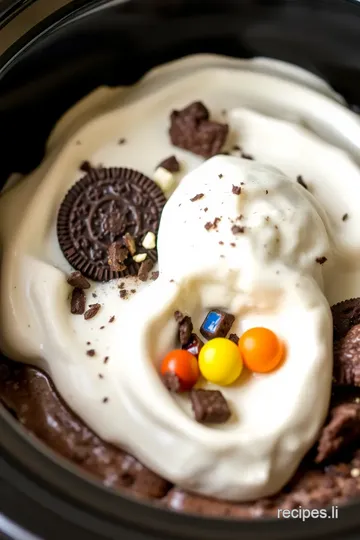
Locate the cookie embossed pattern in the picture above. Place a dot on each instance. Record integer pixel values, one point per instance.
(252, 238)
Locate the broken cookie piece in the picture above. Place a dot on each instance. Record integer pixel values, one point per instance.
(209, 406)
(347, 359)
(192, 130)
(117, 255)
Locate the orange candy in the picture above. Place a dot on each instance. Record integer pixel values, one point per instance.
(261, 349)
(184, 365)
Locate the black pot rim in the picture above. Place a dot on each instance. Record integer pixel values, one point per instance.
(33, 468)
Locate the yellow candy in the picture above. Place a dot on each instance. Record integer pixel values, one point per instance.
(220, 361)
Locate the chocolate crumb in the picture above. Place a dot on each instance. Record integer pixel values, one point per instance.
(88, 343)
(112, 319)
(86, 166)
(92, 311)
(154, 275)
(133, 291)
(144, 269)
(77, 280)
(197, 197)
(236, 190)
(122, 141)
(91, 352)
(102, 327)
(106, 359)
(105, 399)
(321, 260)
(235, 229)
(236, 147)
(171, 381)
(232, 244)
(345, 217)
(221, 243)
(100, 375)
(171, 164)
(234, 338)
(78, 302)
(94, 295)
(221, 175)
(178, 316)
(301, 181)
(206, 209)
(266, 192)
(247, 156)
(121, 285)
(123, 294)
(212, 224)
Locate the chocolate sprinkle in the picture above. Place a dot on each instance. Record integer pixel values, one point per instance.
(209, 406)
(100, 209)
(77, 280)
(192, 130)
(112, 319)
(92, 311)
(171, 164)
(78, 302)
(197, 197)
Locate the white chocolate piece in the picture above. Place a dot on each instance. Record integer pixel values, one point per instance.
(164, 179)
(140, 257)
(149, 241)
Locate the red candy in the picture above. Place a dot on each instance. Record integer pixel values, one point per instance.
(184, 365)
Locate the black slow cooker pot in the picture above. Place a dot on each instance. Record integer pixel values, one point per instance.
(78, 47)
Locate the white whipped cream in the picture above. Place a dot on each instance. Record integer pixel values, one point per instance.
(284, 117)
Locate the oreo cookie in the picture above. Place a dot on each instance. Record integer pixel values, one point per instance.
(99, 210)
(345, 314)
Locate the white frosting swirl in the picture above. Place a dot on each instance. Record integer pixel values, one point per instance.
(270, 277)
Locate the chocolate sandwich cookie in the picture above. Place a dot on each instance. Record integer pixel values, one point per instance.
(102, 208)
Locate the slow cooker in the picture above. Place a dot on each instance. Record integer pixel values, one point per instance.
(52, 55)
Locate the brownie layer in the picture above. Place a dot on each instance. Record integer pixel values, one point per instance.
(30, 396)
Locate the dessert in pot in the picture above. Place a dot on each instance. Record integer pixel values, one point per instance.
(180, 284)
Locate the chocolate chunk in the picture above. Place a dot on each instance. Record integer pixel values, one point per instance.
(145, 269)
(172, 382)
(236, 190)
(86, 166)
(234, 338)
(194, 345)
(178, 316)
(91, 352)
(216, 324)
(197, 197)
(92, 311)
(117, 255)
(192, 130)
(185, 330)
(321, 260)
(77, 280)
(347, 358)
(171, 164)
(130, 243)
(346, 314)
(99, 210)
(154, 275)
(235, 229)
(209, 406)
(300, 181)
(78, 302)
(342, 430)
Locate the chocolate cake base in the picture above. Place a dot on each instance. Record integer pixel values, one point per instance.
(31, 397)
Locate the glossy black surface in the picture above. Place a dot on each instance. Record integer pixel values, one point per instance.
(40, 77)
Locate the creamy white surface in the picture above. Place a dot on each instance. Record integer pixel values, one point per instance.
(284, 117)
